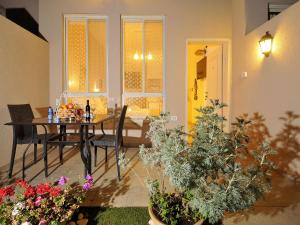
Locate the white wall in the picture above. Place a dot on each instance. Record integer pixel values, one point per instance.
(257, 12)
(24, 74)
(273, 84)
(184, 19)
(32, 6)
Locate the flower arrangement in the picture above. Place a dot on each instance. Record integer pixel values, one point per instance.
(44, 204)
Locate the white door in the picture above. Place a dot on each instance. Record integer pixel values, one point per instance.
(214, 79)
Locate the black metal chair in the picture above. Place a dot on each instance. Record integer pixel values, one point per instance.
(111, 140)
(25, 134)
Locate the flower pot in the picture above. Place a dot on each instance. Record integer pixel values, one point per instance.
(156, 221)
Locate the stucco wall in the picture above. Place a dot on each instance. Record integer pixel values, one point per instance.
(24, 74)
(273, 84)
(184, 19)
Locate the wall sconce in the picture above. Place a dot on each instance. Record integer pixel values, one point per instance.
(265, 44)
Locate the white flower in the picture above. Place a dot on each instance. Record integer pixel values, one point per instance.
(15, 212)
(26, 223)
(20, 205)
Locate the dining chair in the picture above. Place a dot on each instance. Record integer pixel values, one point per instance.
(136, 142)
(115, 141)
(25, 134)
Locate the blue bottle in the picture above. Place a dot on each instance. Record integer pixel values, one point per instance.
(50, 113)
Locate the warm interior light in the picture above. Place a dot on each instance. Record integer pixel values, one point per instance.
(265, 44)
(71, 83)
(149, 56)
(136, 56)
(142, 56)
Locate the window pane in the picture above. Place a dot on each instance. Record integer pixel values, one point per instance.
(76, 65)
(133, 56)
(97, 55)
(98, 103)
(153, 56)
(144, 106)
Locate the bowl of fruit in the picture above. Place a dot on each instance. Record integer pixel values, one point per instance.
(69, 111)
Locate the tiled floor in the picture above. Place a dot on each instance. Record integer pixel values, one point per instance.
(280, 207)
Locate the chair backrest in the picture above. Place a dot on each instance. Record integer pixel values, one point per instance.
(21, 113)
(119, 136)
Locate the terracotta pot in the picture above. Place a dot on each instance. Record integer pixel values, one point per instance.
(156, 221)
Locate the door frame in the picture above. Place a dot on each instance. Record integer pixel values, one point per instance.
(226, 70)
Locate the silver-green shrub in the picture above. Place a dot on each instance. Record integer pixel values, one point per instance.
(217, 169)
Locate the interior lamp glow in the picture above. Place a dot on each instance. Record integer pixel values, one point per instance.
(136, 56)
(149, 56)
(71, 83)
(96, 89)
(265, 44)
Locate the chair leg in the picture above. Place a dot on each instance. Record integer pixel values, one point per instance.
(35, 153)
(12, 158)
(106, 154)
(95, 155)
(61, 154)
(117, 161)
(46, 159)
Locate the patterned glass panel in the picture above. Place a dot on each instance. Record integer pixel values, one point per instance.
(133, 57)
(76, 56)
(153, 56)
(97, 55)
(144, 106)
(98, 103)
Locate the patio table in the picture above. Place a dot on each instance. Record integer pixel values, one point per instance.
(84, 134)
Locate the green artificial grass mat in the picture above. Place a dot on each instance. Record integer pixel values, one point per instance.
(115, 216)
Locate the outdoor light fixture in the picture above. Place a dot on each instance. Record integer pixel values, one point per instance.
(265, 44)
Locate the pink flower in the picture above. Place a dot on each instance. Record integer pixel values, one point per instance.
(62, 180)
(38, 200)
(43, 222)
(87, 186)
(89, 179)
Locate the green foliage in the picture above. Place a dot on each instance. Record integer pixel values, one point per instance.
(218, 170)
(172, 208)
(120, 216)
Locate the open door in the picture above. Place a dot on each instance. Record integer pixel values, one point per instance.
(206, 76)
(214, 79)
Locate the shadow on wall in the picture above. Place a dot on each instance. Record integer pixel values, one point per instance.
(286, 178)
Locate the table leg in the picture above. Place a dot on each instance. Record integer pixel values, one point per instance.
(62, 138)
(83, 158)
(88, 150)
(85, 150)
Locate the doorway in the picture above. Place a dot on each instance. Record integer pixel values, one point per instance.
(207, 77)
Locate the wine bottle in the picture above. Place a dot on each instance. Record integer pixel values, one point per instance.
(88, 110)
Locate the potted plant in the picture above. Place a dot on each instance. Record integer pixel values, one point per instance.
(43, 204)
(214, 174)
